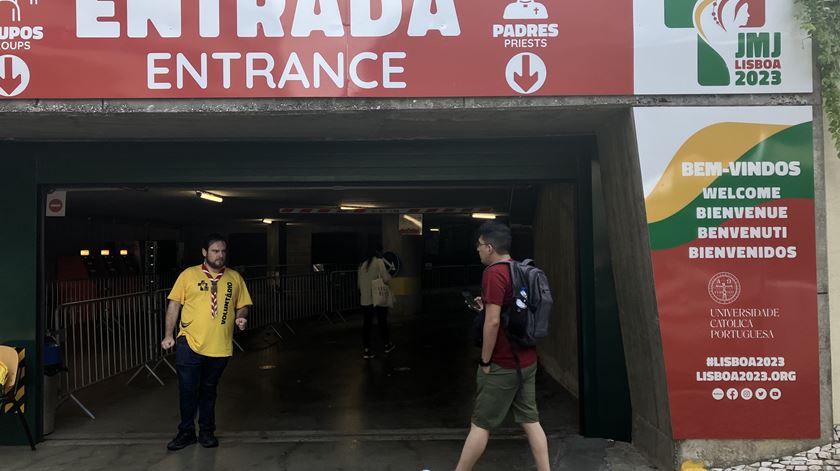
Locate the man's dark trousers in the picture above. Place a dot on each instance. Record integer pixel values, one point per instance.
(198, 377)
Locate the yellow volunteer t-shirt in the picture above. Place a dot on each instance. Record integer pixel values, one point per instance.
(206, 335)
(3, 373)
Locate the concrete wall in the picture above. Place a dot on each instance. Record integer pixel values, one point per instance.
(555, 251)
(832, 200)
(435, 118)
(629, 245)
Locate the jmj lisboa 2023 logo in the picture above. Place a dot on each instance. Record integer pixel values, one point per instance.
(733, 43)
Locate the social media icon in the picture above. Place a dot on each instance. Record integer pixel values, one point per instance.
(746, 394)
(761, 394)
(732, 394)
(717, 394)
(775, 394)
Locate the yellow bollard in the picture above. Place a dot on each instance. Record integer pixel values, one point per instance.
(693, 466)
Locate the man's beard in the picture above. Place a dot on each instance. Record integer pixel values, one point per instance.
(218, 264)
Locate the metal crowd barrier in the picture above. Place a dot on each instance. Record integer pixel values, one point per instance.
(344, 292)
(108, 336)
(57, 293)
(61, 292)
(259, 271)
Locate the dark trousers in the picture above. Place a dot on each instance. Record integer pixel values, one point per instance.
(381, 314)
(198, 377)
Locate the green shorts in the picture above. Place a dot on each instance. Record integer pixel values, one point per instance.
(499, 392)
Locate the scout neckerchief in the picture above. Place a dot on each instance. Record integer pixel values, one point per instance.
(214, 282)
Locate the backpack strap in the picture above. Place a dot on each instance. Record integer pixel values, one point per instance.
(513, 346)
(503, 262)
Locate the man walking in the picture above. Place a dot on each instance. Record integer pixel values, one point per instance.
(500, 388)
(210, 299)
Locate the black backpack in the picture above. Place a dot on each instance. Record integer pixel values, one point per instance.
(526, 319)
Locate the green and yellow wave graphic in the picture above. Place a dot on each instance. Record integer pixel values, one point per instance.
(671, 206)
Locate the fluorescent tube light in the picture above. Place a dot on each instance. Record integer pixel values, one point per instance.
(209, 196)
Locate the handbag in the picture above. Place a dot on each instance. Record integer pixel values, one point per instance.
(382, 295)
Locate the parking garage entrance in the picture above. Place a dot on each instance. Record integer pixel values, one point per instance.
(298, 217)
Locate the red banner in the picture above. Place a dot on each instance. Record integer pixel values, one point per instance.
(729, 197)
(313, 48)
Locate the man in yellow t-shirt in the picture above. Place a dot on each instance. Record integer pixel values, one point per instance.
(210, 299)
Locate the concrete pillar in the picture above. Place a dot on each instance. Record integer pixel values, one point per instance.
(832, 202)
(272, 251)
(406, 286)
(633, 274)
(555, 252)
(299, 248)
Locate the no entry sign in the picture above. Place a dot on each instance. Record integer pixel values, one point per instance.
(56, 204)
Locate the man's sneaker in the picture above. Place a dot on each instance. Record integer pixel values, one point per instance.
(390, 348)
(368, 354)
(207, 440)
(182, 440)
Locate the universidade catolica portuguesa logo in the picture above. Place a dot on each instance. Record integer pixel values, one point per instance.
(732, 41)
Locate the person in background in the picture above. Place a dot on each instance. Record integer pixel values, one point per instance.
(371, 268)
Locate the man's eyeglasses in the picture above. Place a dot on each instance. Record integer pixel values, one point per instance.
(478, 244)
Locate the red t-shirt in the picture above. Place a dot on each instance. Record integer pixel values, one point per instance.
(496, 289)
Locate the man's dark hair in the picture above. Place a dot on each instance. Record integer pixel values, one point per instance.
(497, 235)
(212, 239)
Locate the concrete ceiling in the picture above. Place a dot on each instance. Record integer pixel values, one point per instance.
(298, 119)
(311, 119)
(182, 206)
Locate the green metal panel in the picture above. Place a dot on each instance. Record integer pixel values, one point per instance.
(266, 162)
(604, 390)
(18, 318)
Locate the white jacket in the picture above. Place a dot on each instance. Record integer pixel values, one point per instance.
(369, 272)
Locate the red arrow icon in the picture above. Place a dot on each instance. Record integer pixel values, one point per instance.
(528, 78)
(9, 82)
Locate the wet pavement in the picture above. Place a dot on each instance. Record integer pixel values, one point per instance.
(310, 402)
(351, 454)
(317, 381)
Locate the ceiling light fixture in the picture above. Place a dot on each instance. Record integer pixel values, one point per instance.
(105, 252)
(267, 221)
(123, 252)
(84, 253)
(434, 229)
(483, 216)
(412, 220)
(349, 208)
(209, 196)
